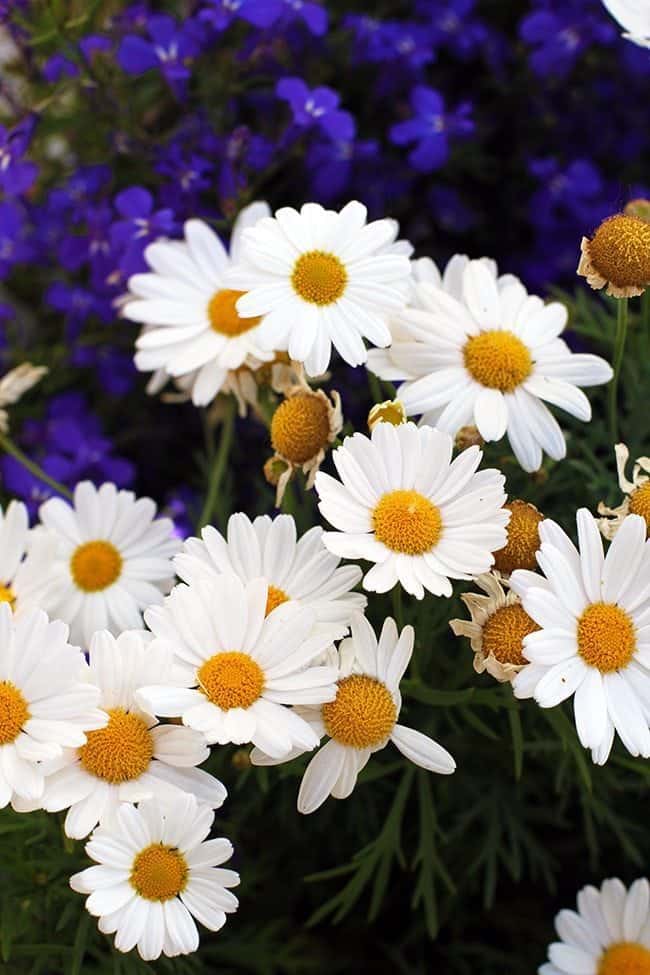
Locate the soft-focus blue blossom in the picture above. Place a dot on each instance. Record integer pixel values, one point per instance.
(331, 164)
(140, 224)
(559, 32)
(260, 13)
(313, 15)
(171, 48)
(316, 108)
(57, 67)
(13, 247)
(431, 129)
(17, 175)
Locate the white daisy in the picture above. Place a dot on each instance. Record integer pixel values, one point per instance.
(113, 559)
(237, 667)
(155, 872)
(298, 570)
(362, 719)
(594, 641)
(491, 358)
(133, 757)
(23, 576)
(46, 703)
(405, 506)
(192, 328)
(634, 18)
(636, 491)
(322, 278)
(608, 935)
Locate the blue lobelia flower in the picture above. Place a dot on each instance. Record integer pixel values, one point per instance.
(17, 175)
(431, 129)
(316, 108)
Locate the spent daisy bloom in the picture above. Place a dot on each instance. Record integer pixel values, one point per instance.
(496, 629)
(634, 18)
(322, 279)
(12, 386)
(617, 257)
(237, 668)
(490, 358)
(520, 550)
(113, 559)
(593, 613)
(155, 872)
(390, 411)
(46, 702)
(297, 570)
(363, 717)
(404, 505)
(636, 491)
(25, 559)
(193, 330)
(609, 934)
(133, 757)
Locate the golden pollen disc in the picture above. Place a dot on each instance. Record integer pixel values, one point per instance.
(620, 251)
(504, 632)
(300, 427)
(625, 958)
(497, 359)
(159, 872)
(391, 411)
(119, 752)
(319, 277)
(606, 637)
(13, 712)
(223, 314)
(231, 680)
(523, 538)
(640, 502)
(406, 521)
(7, 595)
(275, 598)
(95, 566)
(363, 713)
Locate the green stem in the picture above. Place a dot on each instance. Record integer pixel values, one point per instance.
(619, 349)
(398, 606)
(645, 324)
(7, 444)
(219, 464)
(375, 388)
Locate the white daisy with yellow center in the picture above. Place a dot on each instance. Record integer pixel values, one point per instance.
(46, 703)
(636, 491)
(113, 559)
(155, 873)
(237, 667)
(491, 359)
(133, 757)
(297, 570)
(322, 279)
(193, 331)
(609, 934)
(593, 612)
(404, 505)
(363, 717)
(25, 559)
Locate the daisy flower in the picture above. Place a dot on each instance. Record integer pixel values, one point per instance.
(402, 504)
(238, 668)
(593, 612)
(156, 872)
(496, 629)
(12, 386)
(617, 257)
(133, 757)
(192, 327)
(46, 703)
(634, 18)
(636, 491)
(322, 279)
(609, 934)
(491, 359)
(520, 550)
(390, 411)
(297, 570)
(113, 559)
(22, 575)
(362, 719)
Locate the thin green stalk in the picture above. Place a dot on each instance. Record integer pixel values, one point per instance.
(645, 324)
(7, 444)
(398, 607)
(219, 464)
(619, 350)
(375, 388)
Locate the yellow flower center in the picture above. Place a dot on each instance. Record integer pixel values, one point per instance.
(7, 595)
(275, 598)
(319, 277)
(391, 411)
(223, 314)
(119, 752)
(300, 427)
(620, 251)
(231, 680)
(606, 637)
(159, 872)
(13, 712)
(523, 538)
(625, 958)
(95, 566)
(497, 359)
(363, 713)
(406, 521)
(504, 632)
(640, 502)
